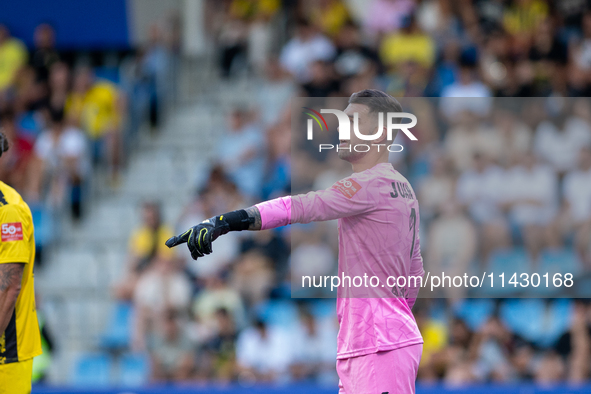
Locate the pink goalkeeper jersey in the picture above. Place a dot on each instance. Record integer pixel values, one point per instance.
(378, 226)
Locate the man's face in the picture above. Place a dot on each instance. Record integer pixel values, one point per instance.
(368, 124)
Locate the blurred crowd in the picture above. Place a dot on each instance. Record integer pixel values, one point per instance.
(70, 115)
(493, 176)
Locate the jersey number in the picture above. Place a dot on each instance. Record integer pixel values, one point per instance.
(412, 226)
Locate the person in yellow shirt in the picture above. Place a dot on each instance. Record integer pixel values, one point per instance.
(409, 44)
(146, 243)
(524, 16)
(13, 55)
(330, 16)
(20, 339)
(95, 107)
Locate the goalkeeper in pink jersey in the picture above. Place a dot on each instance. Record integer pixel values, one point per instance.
(379, 344)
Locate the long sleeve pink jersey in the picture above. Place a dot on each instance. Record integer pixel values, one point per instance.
(378, 227)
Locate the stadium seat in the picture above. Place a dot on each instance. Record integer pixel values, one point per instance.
(278, 312)
(475, 312)
(323, 308)
(43, 223)
(134, 370)
(582, 286)
(559, 261)
(525, 317)
(507, 261)
(555, 261)
(536, 320)
(92, 370)
(118, 333)
(109, 73)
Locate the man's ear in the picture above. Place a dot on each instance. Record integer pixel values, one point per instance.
(383, 138)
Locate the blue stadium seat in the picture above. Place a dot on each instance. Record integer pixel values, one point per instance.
(111, 74)
(92, 370)
(118, 333)
(559, 261)
(558, 320)
(323, 308)
(278, 312)
(537, 321)
(134, 370)
(524, 317)
(507, 261)
(43, 223)
(475, 312)
(554, 261)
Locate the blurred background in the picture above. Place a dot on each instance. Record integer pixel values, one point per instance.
(132, 120)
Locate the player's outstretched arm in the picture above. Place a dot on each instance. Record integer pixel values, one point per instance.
(199, 238)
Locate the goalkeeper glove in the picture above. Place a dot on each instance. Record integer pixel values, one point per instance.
(200, 237)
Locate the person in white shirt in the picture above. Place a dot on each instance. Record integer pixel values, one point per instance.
(164, 287)
(263, 353)
(559, 140)
(61, 161)
(481, 190)
(577, 198)
(530, 193)
(303, 49)
(467, 93)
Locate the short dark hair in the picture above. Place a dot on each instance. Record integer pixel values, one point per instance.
(57, 115)
(376, 100)
(4, 145)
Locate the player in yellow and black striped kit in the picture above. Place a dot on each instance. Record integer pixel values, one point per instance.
(19, 331)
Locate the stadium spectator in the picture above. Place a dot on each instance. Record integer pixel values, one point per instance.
(386, 16)
(278, 167)
(60, 164)
(322, 83)
(559, 139)
(313, 349)
(95, 107)
(530, 195)
(14, 167)
(171, 354)
(329, 16)
(216, 295)
(252, 277)
(59, 85)
(263, 353)
(44, 55)
(13, 56)
(155, 71)
(516, 137)
(162, 289)
(274, 93)
(577, 198)
(146, 244)
(522, 18)
(469, 137)
(307, 46)
(452, 246)
(409, 44)
(436, 188)
(239, 152)
(221, 348)
(480, 190)
(353, 55)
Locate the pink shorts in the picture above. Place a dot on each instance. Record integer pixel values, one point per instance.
(390, 372)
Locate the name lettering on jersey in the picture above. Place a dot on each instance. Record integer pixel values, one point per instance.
(401, 189)
(12, 232)
(348, 187)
